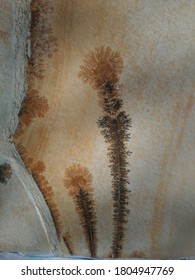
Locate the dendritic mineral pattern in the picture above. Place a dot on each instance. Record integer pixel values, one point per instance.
(5, 173)
(136, 58)
(36, 169)
(101, 69)
(43, 45)
(78, 181)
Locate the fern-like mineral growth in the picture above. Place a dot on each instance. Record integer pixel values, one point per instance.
(5, 173)
(33, 106)
(37, 169)
(101, 69)
(43, 43)
(78, 181)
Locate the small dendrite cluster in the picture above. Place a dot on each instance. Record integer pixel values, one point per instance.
(5, 173)
(101, 69)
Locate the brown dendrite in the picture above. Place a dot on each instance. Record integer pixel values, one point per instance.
(5, 173)
(68, 242)
(78, 181)
(43, 43)
(33, 106)
(37, 169)
(102, 68)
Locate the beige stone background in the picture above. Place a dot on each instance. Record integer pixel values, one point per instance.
(156, 39)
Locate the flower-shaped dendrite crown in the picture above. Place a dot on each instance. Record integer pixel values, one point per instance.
(102, 68)
(76, 177)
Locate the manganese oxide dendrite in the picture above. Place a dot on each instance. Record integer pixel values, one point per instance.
(101, 69)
